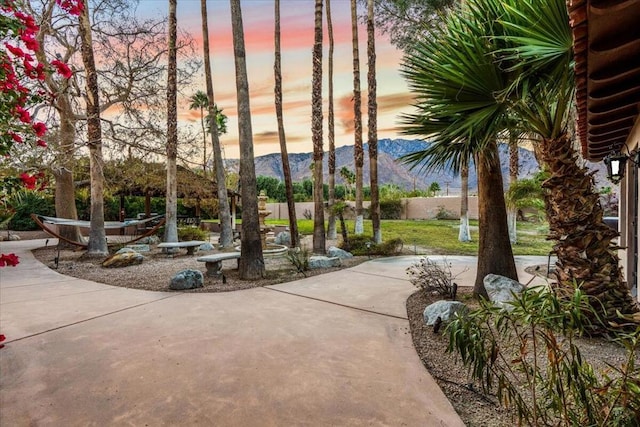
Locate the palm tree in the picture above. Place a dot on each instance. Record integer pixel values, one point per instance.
(171, 225)
(97, 240)
(331, 162)
(455, 81)
(512, 213)
(200, 101)
(358, 150)
(251, 263)
(373, 126)
(316, 128)
(215, 128)
(464, 234)
(286, 168)
(349, 178)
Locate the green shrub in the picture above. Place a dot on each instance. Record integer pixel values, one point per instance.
(444, 213)
(192, 233)
(363, 245)
(430, 276)
(529, 357)
(391, 209)
(26, 202)
(299, 258)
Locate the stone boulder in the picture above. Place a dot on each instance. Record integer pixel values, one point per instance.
(283, 238)
(206, 247)
(138, 247)
(124, 259)
(445, 310)
(501, 290)
(318, 261)
(337, 252)
(187, 279)
(150, 240)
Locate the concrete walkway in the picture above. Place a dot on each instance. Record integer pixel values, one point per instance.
(330, 350)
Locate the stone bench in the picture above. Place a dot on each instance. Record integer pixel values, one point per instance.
(213, 262)
(190, 245)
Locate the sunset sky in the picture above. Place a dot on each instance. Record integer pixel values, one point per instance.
(297, 20)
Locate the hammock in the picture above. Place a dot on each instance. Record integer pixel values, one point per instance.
(45, 222)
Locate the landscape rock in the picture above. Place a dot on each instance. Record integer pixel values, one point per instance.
(283, 238)
(206, 247)
(150, 240)
(139, 247)
(187, 279)
(445, 310)
(125, 250)
(337, 252)
(501, 290)
(123, 260)
(318, 261)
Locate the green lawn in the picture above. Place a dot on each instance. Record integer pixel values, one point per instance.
(441, 236)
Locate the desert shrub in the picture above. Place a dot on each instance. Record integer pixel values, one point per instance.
(431, 277)
(444, 213)
(391, 209)
(191, 233)
(528, 357)
(363, 245)
(299, 258)
(307, 214)
(25, 202)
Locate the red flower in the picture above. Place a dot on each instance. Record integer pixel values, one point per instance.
(28, 181)
(10, 260)
(15, 137)
(62, 68)
(39, 128)
(29, 41)
(41, 143)
(25, 116)
(74, 7)
(2, 338)
(15, 50)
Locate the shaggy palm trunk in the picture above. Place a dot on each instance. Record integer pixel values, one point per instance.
(97, 239)
(251, 264)
(494, 249)
(171, 225)
(358, 150)
(286, 168)
(331, 163)
(512, 213)
(464, 234)
(373, 126)
(316, 129)
(587, 257)
(224, 213)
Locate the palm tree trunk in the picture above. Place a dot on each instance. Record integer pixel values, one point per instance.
(204, 129)
(586, 255)
(251, 264)
(319, 242)
(464, 235)
(224, 213)
(331, 163)
(97, 239)
(494, 250)
(171, 225)
(373, 125)
(358, 150)
(286, 168)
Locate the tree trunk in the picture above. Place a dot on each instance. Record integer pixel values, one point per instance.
(373, 125)
(171, 225)
(204, 129)
(331, 163)
(316, 128)
(224, 213)
(286, 168)
(358, 150)
(97, 239)
(512, 213)
(494, 251)
(251, 263)
(464, 235)
(583, 242)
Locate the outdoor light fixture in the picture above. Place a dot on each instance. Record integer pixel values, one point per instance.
(616, 163)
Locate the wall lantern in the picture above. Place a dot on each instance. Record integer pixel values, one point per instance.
(616, 165)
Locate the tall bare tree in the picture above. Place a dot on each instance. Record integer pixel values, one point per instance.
(252, 262)
(373, 125)
(97, 240)
(171, 225)
(319, 238)
(286, 168)
(331, 162)
(358, 149)
(224, 213)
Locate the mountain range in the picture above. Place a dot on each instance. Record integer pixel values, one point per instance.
(390, 169)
